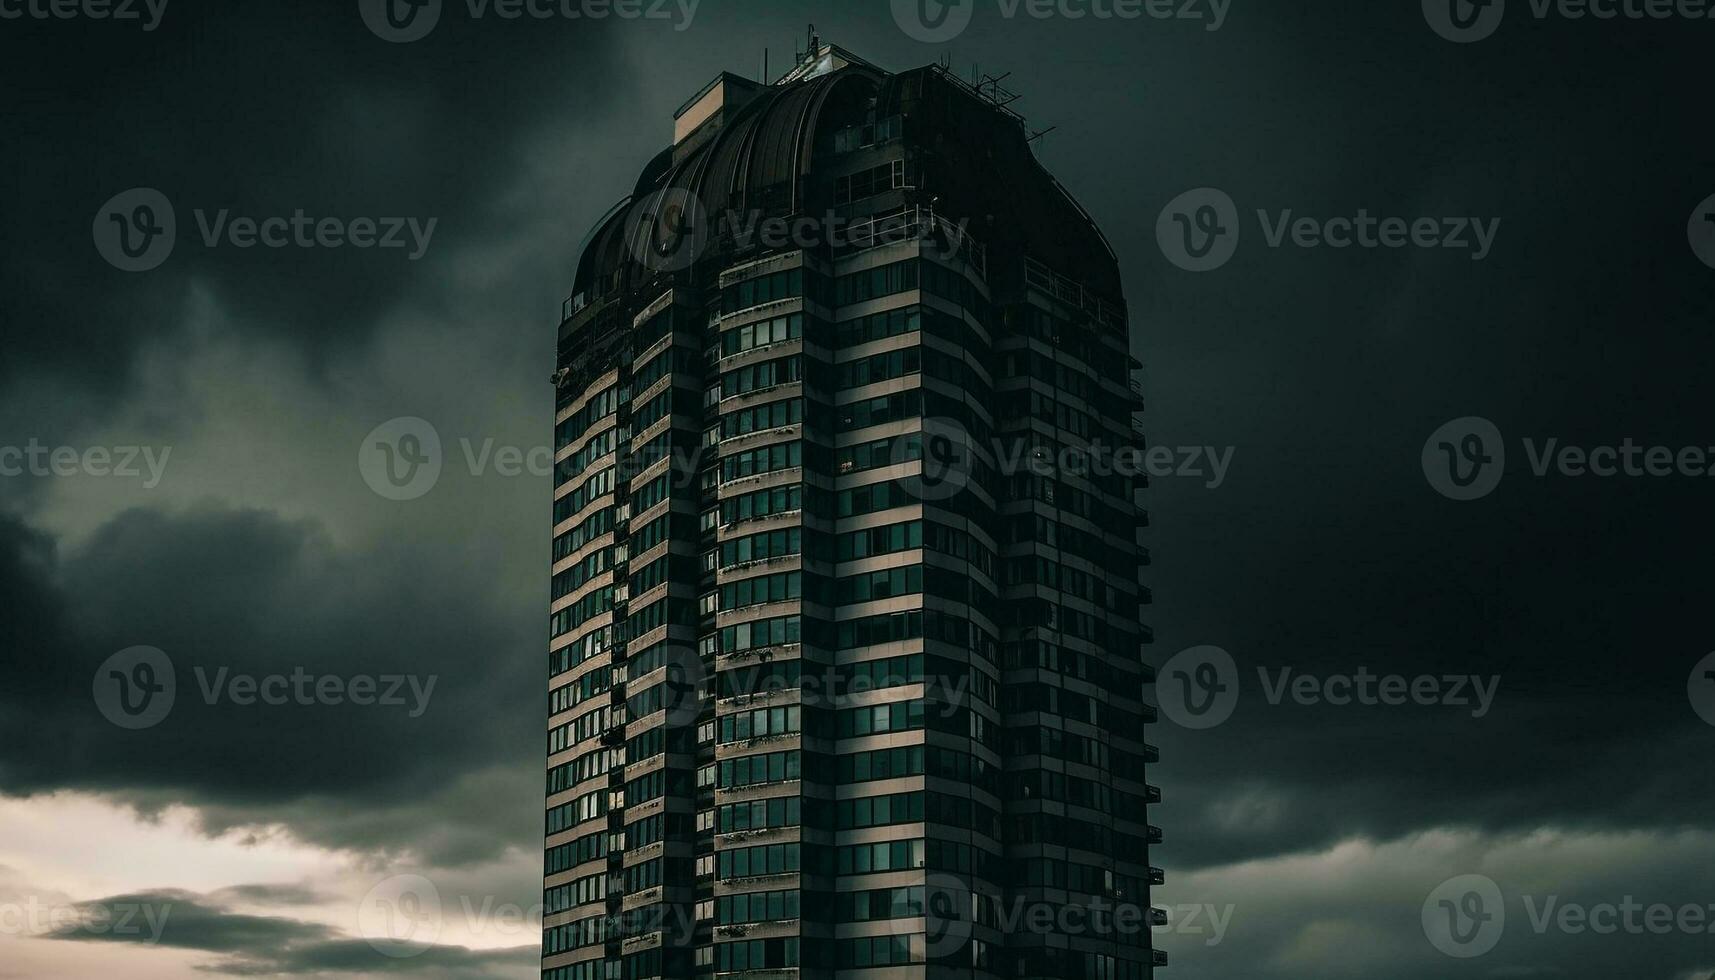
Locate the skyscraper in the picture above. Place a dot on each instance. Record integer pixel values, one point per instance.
(846, 662)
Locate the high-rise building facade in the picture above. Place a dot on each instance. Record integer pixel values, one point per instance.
(846, 665)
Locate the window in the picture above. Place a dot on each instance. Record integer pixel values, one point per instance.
(749, 770)
(750, 862)
(762, 503)
(857, 137)
(770, 416)
(757, 907)
(762, 333)
(867, 183)
(762, 289)
(763, 588)
(885, 280)
(765, 459)
(761, 633)
(766, 374)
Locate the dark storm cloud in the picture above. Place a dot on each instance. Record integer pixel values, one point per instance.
(265, 110)
(269, 894)
(255, 596)
(253, 945)
(1325, 549)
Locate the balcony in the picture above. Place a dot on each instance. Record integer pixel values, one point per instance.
(1151, 753)
(914, 223)
(1154, 835)
(1149, 714)
(1157, 876)
(1158, 957)
(1157, 916)
(1151, 794)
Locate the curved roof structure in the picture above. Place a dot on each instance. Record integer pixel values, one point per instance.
(761, 155)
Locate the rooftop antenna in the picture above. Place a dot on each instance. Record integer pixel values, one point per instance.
(991, 88)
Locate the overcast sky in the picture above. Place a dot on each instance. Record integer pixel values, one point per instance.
(1557, 751)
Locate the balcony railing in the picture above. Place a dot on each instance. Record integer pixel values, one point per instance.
(913, 223)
